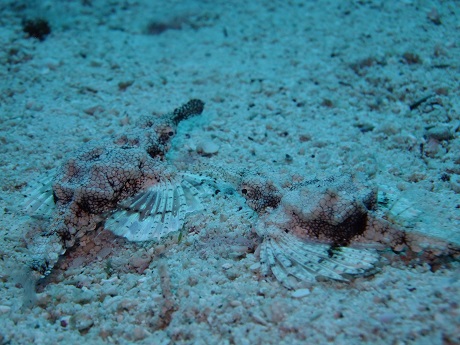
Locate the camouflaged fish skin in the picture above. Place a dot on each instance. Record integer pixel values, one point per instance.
(96, 178)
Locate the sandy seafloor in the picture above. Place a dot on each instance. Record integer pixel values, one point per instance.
(299, 88)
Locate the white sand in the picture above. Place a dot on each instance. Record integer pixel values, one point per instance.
(328, 83)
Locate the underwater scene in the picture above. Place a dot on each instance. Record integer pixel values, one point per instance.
(230, 172)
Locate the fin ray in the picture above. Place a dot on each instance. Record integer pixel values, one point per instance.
(288, 258)
(39, 201)
(159, 210)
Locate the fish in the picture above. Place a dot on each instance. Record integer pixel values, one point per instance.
(123, 182)
(330, 228)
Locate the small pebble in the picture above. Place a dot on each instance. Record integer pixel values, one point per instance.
(84, 297)
(64, 321)
(440, 133)
(111, 291)
(139, 333)
(387, 317)
(226, 266)
(81, 321)
(300, 293)
(207, 147)
(231, 274)
(4, 309)
(235, 303)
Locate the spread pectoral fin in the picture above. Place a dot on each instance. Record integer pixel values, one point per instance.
(39, 199)
(159, 210)
(290, 259)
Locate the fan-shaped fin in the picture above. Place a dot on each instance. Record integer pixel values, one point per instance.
(158, 210)
(39, 201)
(287, 257)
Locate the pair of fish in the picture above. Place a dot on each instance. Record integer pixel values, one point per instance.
(308, 230)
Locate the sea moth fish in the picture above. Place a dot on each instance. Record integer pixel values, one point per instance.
(123, 182)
